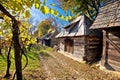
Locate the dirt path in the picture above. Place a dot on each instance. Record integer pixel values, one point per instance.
(55, 66)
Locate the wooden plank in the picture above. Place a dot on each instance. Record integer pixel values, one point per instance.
(114, 64)
(79, 42)
(114, 31)
(97, 48)
(117, 42)
(92, 47)
(114, 35)
(112, 47)
(114, 57)
(115, 39)
(93, 40)
(79, 51)
(94, 44)
(76, 49)
(114, 54)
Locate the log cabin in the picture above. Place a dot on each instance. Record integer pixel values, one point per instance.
(108, 21)
(49, 39)
(77, 39)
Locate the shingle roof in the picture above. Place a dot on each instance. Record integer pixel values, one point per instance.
(78, 27)
(74, 21)
(109, 15)
(48, 35)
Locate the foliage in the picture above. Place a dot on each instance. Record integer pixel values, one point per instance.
(32, 57)
(25, 37)
(20, 10)
(44, 27)
(89, 8)
(15, 14)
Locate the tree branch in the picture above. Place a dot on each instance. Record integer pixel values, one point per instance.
(6, 12)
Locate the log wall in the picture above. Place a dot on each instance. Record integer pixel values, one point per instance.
(113, 52)
(79, 46)
(89, 46)
(93, 48)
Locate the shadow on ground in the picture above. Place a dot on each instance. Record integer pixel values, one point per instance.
(44, 54)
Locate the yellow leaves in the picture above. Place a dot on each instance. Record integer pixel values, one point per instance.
(27, 14)
(16, 6)
(52, 4)
(37, 5)
(33, 40)
(44, 9)
(6, 39)
(19, 1)
(61, 16)
(25, 37)
(6, 19)
(28, 39)
(50, 30)
(51, 11)
(1, 14)
(0, 32)
(69, 17)
(66, 18)
(56, 13)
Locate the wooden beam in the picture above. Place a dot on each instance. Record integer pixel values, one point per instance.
(105, 49)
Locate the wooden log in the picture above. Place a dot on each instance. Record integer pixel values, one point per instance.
(114, 64)
(103, 61)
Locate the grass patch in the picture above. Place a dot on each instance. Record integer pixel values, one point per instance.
(33, 61)
(2, 64)
(44, 54)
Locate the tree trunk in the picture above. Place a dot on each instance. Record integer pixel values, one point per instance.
(29, 47)
(17, 49)
(0, 51)
(8, 64)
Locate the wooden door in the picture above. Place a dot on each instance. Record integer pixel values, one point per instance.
(69, 45)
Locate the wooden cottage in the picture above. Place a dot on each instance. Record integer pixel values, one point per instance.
(108, 20)
(49, 39)
(78, 40)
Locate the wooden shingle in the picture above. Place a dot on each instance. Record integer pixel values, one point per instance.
(109, 15)
(78, 27)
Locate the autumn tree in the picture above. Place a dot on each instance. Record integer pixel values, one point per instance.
(44, 27)
(16, 9)
(90, 8)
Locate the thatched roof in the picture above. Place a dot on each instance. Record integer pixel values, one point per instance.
(78, 27)
(109, 15)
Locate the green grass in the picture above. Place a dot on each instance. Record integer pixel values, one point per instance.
(33, 61)
(2, 64)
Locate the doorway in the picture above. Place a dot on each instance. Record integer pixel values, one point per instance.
(69, 45)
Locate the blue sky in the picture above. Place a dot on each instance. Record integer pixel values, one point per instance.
(38, 16)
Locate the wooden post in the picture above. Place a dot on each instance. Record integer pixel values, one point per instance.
(86, 45)
(105, 45)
